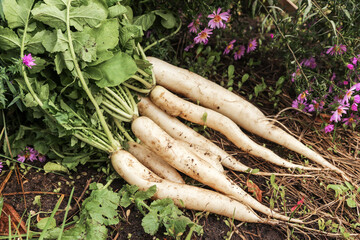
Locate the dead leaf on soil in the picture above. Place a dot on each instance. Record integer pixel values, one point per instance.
(253, 188)
(7, 211)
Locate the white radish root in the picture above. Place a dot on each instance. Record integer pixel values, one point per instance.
(242, 112)
(190, 197)
(154, 162)
(183, 160)
(178, 130)
(214, 160)
(176, 106)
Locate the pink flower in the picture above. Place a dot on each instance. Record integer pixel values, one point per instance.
(28, 60)
(350, 120)
(229, 47)
(195, 25)
(32, 154)
(355, 87)
(316, 106)
(302, 96)
(203, 36)
(298, 204)
(271, 35)
(329, 128)
(239, 53)
(354, 60)
(354, 107)
(347, 96)
(296, 74)
(357, 98)
(252, 45)
(338, 113)
(217, 19)
(1, 166)
(350, 66)
(336, 50)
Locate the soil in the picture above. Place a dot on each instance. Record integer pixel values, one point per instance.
(51, 186)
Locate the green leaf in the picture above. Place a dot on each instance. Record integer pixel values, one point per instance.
(117, 10)
(102, 57)
(84, 46)
(34, 44)
(106, 35)
(29, 101)
(245, 78)
(17, 12)
(91, 15)
(50, 15)
(116, 70)
(168, 20)
(143, 195)
(145, 21)
(41, 224)
(129, 32)
(102, 205)
(54, 167)
(55, 41)
(150, 223)
(8, 39)
(351, 203)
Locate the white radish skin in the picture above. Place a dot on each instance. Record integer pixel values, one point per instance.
(178, 130)
(176, 106)
(190, 197)
(242, 112)
(188, 163)
(214, 160)
(154, 162)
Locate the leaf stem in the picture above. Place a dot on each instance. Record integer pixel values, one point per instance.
(115, 145)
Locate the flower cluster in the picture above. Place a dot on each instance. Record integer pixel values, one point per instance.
(30, 154)
(218, 20)
(343, 107)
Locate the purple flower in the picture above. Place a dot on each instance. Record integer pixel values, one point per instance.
(217, 19)
(187, 48)
(239, 53)
(251, 45)
(195, 25)
(229, 47)
(310, 62)
(28, 60)
(338, 113)
(21, 158)
(32, 154)
(295, 75)
(203, 36)
(336, 50)
(1, 166)
(42, 158)
(329, 128)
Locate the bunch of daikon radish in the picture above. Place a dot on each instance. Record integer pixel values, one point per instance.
(167, 145)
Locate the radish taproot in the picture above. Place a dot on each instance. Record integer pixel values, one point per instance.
(242, 112)
(190, 197)
(176, 106)
(179, 131)
(188, 163)
(154, 162)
